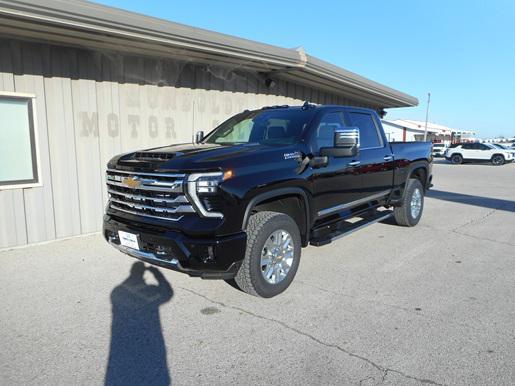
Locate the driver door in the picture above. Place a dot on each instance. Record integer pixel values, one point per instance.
(339, 182)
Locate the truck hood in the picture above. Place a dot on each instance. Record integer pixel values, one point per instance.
(205, 157)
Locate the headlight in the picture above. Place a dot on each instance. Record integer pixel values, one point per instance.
(208, 183)
(205, 184)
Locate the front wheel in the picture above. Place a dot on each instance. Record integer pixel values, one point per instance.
(272, 255)
(410, 211)
(456, 159)
(497, 160)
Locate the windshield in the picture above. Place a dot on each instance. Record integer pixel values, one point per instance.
(499, 146)
(438, 145)
(262, 126)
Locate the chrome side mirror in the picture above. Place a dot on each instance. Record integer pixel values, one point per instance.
(346, 143)
(199, 136)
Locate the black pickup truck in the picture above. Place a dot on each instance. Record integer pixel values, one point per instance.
(240, 202)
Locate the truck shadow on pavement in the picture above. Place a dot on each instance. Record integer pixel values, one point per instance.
(137, 354)
(485, 202)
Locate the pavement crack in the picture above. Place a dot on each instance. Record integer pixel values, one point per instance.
(382, 369)
(456, 230)
(369, 378)
(409, 310)
(385, 374)
(422, 380)
(405, 309)
(478, 220)
(482, 238)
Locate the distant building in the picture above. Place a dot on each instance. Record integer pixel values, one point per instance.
(403, 130)
(499, 140)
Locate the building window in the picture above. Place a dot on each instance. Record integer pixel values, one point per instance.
(18, 149)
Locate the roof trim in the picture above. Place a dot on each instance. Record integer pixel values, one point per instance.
(88, 24)
(399, 126)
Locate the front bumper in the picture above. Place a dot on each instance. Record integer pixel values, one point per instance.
(208, 258)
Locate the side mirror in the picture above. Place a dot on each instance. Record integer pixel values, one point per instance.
(346, 143)
(199, 136)
(318, 162)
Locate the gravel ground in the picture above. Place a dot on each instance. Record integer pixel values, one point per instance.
(432, 304)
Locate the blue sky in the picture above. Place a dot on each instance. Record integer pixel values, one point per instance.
(463, 52)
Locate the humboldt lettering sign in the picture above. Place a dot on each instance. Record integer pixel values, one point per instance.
(164, 107)
(151, 126)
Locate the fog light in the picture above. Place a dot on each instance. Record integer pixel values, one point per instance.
(113, 237)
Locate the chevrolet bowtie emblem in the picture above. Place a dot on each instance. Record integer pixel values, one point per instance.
(131, 182)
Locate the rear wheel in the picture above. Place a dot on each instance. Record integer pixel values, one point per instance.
(410, 212)
(456, 159)
(497, 160)
(272, 255)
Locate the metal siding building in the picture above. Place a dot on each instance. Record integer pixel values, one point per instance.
(105, 81)
(396, 132)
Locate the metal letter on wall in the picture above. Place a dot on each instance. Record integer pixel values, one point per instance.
(113, 127)
(89, 124)
(134, 122)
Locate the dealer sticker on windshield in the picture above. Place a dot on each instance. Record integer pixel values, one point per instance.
(128, 239)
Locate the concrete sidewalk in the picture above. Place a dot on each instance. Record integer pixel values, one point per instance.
(432, 304)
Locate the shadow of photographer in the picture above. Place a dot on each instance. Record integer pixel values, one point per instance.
(137, 352)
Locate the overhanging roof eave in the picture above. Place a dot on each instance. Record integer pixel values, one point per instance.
(102, 26)
(330, 71)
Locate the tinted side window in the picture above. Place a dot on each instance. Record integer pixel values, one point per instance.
(324, 133)
(368, 133)
(467, 146)
(484, 147)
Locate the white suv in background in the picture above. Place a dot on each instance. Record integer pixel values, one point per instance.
(505, 147)
(464, 152)
(439, 149)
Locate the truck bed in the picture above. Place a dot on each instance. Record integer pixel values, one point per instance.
(412, 151)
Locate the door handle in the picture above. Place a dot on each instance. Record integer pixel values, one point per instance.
(354, 163)
(388, 157)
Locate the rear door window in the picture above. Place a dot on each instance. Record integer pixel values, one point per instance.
(369, 136)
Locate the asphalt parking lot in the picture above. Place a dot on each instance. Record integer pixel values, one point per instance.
(432, 304)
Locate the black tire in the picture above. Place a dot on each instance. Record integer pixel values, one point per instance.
(260, 227)
(403, 214)
(456, 159)
(498, 160)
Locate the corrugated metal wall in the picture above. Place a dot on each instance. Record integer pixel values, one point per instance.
(93, 105)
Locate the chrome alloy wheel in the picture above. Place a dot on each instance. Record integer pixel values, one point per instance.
(277, 256)
(416, 203)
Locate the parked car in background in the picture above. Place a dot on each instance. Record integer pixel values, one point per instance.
(478, 152)
(439, 149)
(505, 147)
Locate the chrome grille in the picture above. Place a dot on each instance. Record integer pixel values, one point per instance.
(152, 195)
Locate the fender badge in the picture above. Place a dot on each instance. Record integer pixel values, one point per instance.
(293, 155)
